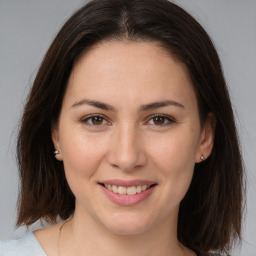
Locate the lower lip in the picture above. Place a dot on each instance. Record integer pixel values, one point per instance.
(127, 200)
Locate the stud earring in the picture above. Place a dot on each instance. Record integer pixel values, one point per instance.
(202, 157)
(56, 152)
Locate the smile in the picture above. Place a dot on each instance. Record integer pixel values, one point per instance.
(127, 193)
(121, 190)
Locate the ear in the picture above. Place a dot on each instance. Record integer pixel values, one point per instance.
(206, 138)
(56, 142)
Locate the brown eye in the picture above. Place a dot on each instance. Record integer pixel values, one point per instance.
(97, 120)
(159, 120)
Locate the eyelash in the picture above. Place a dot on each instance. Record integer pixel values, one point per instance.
(167, 120)
(87, 118)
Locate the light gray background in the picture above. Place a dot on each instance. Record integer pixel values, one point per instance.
(26, 29)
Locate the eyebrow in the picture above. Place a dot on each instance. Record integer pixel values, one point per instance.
(94, 103)
(146, 107)
(161, 104)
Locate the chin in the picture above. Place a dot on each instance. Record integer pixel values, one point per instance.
(122, 224)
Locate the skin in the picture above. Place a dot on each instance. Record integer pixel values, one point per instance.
(127, 143)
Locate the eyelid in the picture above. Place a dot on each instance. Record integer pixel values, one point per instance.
(170, 119)
(85, 119)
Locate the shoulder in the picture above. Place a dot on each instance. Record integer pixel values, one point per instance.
(27, 245)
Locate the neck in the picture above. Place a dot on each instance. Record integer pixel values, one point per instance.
(83, 236)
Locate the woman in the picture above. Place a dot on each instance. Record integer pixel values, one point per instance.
(131, 101)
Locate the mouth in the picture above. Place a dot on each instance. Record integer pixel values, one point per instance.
(127, 192)
(131, 190)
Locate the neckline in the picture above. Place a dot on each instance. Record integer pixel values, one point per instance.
(39, 246)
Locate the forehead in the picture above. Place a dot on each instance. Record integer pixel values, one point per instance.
(144, 54)
(129, 69)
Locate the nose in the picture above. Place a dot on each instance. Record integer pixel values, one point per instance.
(127, 151)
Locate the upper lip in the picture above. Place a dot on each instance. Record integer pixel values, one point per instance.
(127, 183)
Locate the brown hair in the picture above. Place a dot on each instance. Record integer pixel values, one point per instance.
(210, 214)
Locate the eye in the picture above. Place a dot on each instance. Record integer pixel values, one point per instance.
(94, 120)
(160, 120)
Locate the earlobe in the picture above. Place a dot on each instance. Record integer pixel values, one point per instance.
(55, 140)
(206, 139)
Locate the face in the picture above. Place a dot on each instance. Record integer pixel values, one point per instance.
(129, 136)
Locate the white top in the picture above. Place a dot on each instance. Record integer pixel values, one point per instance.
(27, 245)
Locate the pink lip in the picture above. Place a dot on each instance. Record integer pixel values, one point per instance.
(127, 183)
(127, 200)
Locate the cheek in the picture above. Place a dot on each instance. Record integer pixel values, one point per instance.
(82, 153)
(174, 157)
(176, 149)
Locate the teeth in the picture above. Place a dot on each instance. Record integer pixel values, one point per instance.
(126, 191)
(131, 190)
(121, 190)
(114, 189)
(138, 189)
